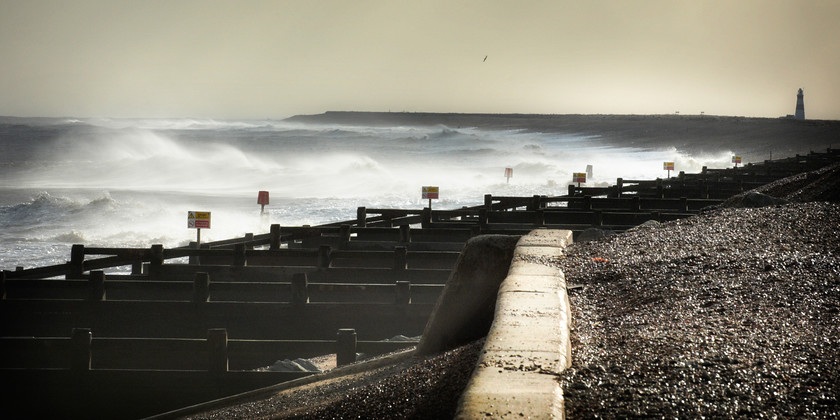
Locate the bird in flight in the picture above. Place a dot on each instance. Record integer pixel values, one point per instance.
(485, 59)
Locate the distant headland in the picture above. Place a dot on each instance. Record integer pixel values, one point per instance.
(753, 138)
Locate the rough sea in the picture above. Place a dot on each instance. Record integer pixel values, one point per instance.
(131, 182)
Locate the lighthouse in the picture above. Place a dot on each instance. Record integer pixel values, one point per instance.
(800, 106)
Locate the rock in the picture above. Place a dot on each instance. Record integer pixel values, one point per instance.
(753, 199)
(297, 365)
(757, 199)
(645, 225)
(593, 234)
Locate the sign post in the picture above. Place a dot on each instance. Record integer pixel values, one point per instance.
(262, 200)
(197, 220)
(668, 166)
(431, 193)
(736, 160)
(508, 174)
(579, 177)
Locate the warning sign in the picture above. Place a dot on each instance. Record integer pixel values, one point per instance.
(579, 177)
(198, 220)
(736, 159)
(431, 193)
(668, 166)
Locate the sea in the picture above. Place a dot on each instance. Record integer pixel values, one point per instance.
(131, 182)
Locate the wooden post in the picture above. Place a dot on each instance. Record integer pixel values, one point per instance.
(344, 234)
(426, 218)
(300, 289)
(96, 286)
(597, 218)
(156, 261)
(361, 217)
(345, 347)
(488, 201)
(635, 204)
(619, 184)
(539, 217)
(660, 192)
(77, 261)
(405, 234)
(217, 348)
(137, 268)
(239, 259)
(193, 259)
(482, 219)
(3, 284)
(571, 190)
(587, 202)
(400, 258)
(534, 204)
(684, 204)
(403, 292)
(249, 241)
(201, 287)
(80, 343)
(274, 237)
(324, 252)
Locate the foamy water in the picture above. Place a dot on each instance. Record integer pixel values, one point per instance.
(104, 182)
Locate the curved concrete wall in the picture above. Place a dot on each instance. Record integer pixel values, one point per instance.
(528, 343)
(464, 311)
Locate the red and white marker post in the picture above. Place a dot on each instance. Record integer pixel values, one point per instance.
(262, 200)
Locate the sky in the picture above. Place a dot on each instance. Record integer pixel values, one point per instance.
(248, 59)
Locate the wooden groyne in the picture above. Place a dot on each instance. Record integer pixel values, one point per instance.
(175, 327)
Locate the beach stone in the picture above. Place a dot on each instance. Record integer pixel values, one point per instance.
(754, 199)
(593, 234)
(297, 365)
(645, 225)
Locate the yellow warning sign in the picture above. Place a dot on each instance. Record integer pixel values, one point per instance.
(431, 193)
(198, 220)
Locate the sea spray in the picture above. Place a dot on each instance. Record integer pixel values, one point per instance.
(112, 182)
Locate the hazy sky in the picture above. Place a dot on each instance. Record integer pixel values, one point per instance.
(274, 59)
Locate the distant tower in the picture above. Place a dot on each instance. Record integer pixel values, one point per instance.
(800, 106)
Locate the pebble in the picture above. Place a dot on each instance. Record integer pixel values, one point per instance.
(729, 314)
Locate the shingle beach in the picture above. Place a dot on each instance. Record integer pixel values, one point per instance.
(734, 313)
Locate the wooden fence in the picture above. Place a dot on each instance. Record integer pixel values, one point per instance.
(184, 325)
